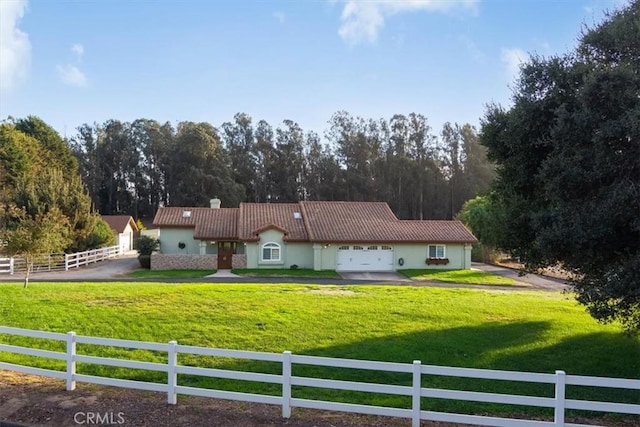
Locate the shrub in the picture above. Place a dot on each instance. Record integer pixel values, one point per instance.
(294, 266)
(145, 245)
(145, 261)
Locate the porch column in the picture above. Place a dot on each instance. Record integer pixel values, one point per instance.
(317, 256)
(467, 256)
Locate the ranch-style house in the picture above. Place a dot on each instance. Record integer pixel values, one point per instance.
(342, 236)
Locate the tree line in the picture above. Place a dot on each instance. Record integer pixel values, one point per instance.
(135, 167)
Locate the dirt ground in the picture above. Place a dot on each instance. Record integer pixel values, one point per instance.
(39, 401)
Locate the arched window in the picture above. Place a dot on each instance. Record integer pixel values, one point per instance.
(271, 251)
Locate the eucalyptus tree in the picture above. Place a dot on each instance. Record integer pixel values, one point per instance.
(265, 161)
(199, 168)
(289, 154)
(239, 140)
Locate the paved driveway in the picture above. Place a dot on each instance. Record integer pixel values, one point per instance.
(535, 280)
(110, 269)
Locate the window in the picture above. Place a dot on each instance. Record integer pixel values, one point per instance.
(358, 248)
(436, 251)
(271, 252)
(343, 248)
(386, 248)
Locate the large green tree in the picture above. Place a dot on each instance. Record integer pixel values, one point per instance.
(45, 205)
(568, 155)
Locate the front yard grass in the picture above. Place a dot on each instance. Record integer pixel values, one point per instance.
(170, 274)
(284, 272)
(475, 328)
(471, 277)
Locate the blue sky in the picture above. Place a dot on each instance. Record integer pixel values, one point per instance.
(74, 62)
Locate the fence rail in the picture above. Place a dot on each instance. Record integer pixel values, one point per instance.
(560, 380)
(58, 262)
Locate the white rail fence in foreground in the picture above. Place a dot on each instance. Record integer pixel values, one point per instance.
(59, 262)
(560, 380)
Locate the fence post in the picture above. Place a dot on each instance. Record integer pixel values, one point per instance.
(66, 262)
(286, 384)
(415, 393)
(11, 265)
(561, 379)
(172, 382)
(71, 360)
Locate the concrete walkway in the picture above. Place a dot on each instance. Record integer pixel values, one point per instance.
(222, 273)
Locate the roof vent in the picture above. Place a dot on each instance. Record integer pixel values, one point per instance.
(297, 215)
(186, 214)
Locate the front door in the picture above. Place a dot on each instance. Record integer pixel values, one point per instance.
(225, 255)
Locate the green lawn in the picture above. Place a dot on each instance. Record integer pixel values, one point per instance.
(170, 274)
(471, 277)
(495, 329)
(283, 272)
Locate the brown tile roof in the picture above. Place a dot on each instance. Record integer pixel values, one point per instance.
(433, 231)
(323, 222)
(364, 222)
(119, 222)
(208, 224)
(256, 217)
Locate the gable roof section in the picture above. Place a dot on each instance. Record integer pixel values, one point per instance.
(208, 224)
(374, 222)
(256, 217)
(434, 231)
(347, 221)
(118, 223)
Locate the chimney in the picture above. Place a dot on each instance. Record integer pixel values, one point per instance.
(215, 203)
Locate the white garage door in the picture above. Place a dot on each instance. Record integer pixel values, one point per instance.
(365, 258)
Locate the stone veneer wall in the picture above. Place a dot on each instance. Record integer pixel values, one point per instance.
(239, 261)
(184, 262)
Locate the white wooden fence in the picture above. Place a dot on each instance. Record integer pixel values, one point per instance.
(59, 262)
(172, 368)
(91, 256)
(7, 265)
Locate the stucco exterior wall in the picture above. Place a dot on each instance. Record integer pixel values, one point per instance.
(414, 256)
(300, 254)
(304, 255)
(183, 262)
(170, 237)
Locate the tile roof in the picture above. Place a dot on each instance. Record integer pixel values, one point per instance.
(208, 224)
(119, 222)
(364, 222)
(255, 217)
(323, 222)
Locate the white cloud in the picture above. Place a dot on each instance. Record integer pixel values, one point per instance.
(78, 49)
(472, 48)
(15, 48)
(362, 20)
(513, 59)
(280, 17)
(71, 75)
